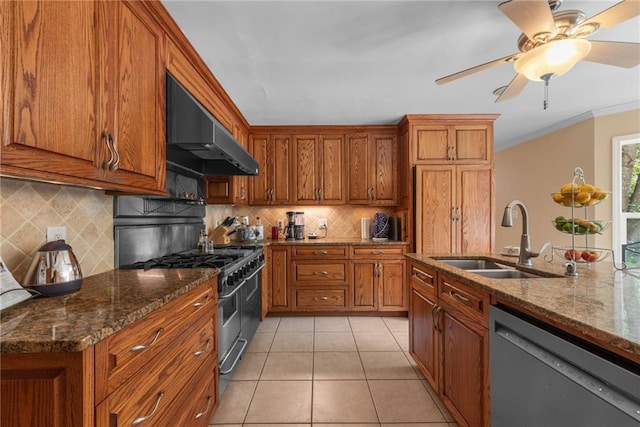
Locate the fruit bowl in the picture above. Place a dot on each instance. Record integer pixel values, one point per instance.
(580, 226)
(581, 254)
(579, 198)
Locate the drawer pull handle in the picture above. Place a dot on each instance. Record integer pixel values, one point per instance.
(204, 350)
(321, 298)
(144, 347)
(201, 303)
(423, 276)
(457, 295)
(321, 273)
(206, 409)
(140, 420)
(320, 252)
(377, 252)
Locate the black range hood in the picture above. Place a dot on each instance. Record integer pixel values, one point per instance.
(197, 143)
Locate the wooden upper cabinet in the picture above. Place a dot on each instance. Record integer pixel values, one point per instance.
(85, 101)
(440, 143)
(372, 167)
(454, 209)
(272, 185)
(318, 163)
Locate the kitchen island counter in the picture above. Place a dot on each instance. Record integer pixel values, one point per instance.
(105, 304)
(601, 304)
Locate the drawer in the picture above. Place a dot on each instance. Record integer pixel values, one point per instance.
(153, 391)
(379, 252)
(334, 272)
(319, 252)
(199, 398)
(321, 299)
(470, 301)
(121, 355)
(423, 279)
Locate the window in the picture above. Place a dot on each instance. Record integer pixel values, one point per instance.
(626, 198)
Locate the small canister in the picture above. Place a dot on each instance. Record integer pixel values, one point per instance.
(274, 233)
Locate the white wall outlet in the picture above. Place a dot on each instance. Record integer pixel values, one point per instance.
(280, 224)
(322, 223)
(56, 233)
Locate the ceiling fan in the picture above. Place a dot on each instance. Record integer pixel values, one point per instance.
(552, 42)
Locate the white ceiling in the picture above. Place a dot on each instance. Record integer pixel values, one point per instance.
(371, 62)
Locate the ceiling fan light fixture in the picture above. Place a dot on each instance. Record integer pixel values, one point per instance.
(555, 58)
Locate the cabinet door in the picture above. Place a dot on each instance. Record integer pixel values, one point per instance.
(240, 183)
(473, 143)
(50, 90)
(464, 379)
(132, 102)
(331, 171)
(260, 185)
(432, 143)
(384, 170)
(365, 278)
(392, 285)
(279, 257)
(306, 165)
(435, 209)
(476, 213)
(218, 189)
(423, 343)
(281, 161)
(358, 169)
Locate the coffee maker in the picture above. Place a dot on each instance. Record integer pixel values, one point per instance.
(290, 231)
(299, 226)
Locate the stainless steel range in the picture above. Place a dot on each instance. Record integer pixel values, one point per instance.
(162, 233)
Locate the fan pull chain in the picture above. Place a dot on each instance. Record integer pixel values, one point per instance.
(546, 94)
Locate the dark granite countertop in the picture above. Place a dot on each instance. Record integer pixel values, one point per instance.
(601, 303)
(105, 304)
(353, 241)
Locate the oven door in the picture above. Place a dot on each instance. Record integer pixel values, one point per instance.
(251, 304)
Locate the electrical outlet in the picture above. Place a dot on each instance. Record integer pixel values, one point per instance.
(56, 233)
(280, 224)
(322, 223)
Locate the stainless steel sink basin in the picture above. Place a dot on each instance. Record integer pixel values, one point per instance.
(472, 264)
(506, 274)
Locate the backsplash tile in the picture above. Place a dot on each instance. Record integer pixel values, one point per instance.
(27, 208)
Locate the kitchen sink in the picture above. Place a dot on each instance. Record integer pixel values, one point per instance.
(472, 264)
(506, 274)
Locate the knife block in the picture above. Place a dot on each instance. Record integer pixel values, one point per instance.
(220, 235)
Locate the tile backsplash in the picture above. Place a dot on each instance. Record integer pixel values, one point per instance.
(28, 208)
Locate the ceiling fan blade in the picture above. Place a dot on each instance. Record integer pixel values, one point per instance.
(477, 68)
(514, 88)
(616, 14)
(531, 16)
(620, 54)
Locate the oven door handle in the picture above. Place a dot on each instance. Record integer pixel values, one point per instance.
(235, 362)
(255, 272)
(233, 292)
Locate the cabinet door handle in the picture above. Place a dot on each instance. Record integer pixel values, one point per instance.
(204, 350)
(452, 152)
(320, 252)
(151, 344)
(266, 194)
(433, 316)
(116, 163)
(320, 194)
(453, 213)
(457, 295)
(201, 303)
(457, 214)
(321, 298)
(272, 193)
(140, 420)
(243, 193)
(206, 408)
(370, 194)
(437, 319)
(107, 140)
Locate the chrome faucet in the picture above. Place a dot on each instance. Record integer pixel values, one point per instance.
(525, 244)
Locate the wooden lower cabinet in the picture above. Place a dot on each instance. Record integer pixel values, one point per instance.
(278, 267)
(161, 368)
(449, 340)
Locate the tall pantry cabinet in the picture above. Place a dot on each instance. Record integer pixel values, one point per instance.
(450, 163)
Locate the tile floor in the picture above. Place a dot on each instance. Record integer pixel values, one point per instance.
(330, 371)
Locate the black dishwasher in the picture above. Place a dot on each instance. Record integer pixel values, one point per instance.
(541, 378)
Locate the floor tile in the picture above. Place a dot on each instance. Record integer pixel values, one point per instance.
(334, 341)
(434, 395)
(414, 425)
(376, 341)
(402, 338)
(343, 402)
(261, 342)
(346, 425)
(225, 425)
(404, 401)
(369, 324)
(288, 366)
(249, 367)
(337, 366)
(332, 324)
(296, 324)
(234, 402)
(281, 402)
(293, 341)
(386, 365)
(269, 324)
(397, 324)
(277, 425)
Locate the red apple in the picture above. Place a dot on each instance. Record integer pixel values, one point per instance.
(573, 255)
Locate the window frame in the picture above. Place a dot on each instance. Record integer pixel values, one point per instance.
(619, 218)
